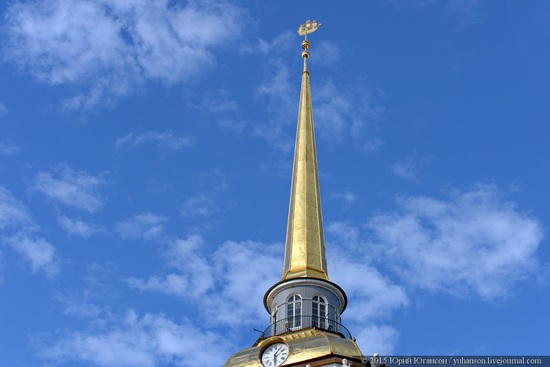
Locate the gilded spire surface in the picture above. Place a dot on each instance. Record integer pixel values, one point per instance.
(305, 240)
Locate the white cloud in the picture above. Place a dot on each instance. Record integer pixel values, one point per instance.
(80, 305)
(348, 197)
(331, 108)
(12, 212)
(464, 12)
(236, 263)
(405, 170)
(8, 147)
(212, 181)
(140, 341)
(77, 227)
(282, 42)
(218, 101)
(347, 112)
(224, 108)
(93, 297)
(218, 279)
(173, 284)
(71, 188)
(475, 242)
(467, 11)
(146, 226)
(195, 272)
(379, 339)
(37, 251)
(280, 97)
(165, 139)
(187, 255)
(112, 46)
(325, 53)
(409, 168)
(204, 203)
(373, 296)
(201, 205)
(346, 234)
(233, 125)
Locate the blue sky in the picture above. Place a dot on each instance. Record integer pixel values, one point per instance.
(145, 161)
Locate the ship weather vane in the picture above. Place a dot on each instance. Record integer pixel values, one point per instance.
(308, 27)
(305, 29)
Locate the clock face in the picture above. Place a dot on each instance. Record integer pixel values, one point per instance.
(275, 355)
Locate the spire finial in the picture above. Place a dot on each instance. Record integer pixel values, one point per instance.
(305, 29)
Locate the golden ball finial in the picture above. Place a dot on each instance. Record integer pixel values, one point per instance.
(305, 47)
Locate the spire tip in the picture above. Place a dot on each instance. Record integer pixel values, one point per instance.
(305, 29)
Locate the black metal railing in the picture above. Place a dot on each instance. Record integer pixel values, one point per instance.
(305, 321)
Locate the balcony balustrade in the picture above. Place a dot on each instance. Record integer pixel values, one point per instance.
(294, 323)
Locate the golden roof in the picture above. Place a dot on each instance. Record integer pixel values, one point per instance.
(305, 239)
(304, 345)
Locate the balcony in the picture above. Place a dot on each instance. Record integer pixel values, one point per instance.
(303, 322)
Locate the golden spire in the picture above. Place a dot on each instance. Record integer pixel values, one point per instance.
(305, 239)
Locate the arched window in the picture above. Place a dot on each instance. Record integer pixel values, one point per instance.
(294, 312)
(319, 312)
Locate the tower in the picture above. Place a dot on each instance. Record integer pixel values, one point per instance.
(305, 307)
